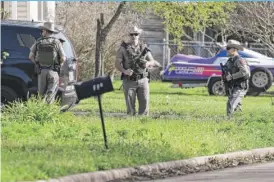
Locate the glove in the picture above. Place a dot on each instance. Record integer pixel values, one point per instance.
(228, 77)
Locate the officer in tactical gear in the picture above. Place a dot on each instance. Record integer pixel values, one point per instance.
(133, 60)
(239, 74)
(48, 53)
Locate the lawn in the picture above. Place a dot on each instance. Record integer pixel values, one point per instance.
(39, 143)
(167, 101)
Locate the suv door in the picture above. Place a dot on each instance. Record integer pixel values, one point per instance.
(17, 70)
(26, 38)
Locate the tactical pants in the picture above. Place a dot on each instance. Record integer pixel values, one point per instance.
(140, 89)
(235, 100)
(48, 81)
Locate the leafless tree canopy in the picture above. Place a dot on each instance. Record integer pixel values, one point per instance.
(254, 22)
(79, 20)
(251, 21)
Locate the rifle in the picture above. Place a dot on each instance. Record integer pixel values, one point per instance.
(137, 58)
(228, 84)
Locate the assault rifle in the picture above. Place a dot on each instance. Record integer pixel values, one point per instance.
(137, 59)
(228, 84)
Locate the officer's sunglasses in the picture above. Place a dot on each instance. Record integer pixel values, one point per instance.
(228, 48)
(134, 34)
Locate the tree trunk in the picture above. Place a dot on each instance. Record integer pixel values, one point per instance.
(2, 10)
(102, 39)
(101, 35)
(98, 49)
(102, 58)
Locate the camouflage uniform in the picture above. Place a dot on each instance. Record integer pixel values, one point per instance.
(137, 84)
(48, 78)
(240, 72)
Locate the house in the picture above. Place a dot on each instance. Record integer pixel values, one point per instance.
(29, 10)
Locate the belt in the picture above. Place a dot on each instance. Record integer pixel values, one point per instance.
(243, 84)
(136, 77)
(47, 67)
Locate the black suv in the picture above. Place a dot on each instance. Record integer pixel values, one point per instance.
(18, 78)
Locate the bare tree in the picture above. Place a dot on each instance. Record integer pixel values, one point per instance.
(4, 14)
(254, 22)
(79, 20)
(102, 32)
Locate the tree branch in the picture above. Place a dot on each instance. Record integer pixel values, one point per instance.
(106, 30)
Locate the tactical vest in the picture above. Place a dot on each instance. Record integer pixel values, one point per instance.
(232, 68)
(46, 51)
(137, 61)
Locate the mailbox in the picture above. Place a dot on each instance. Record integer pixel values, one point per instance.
(93, 87)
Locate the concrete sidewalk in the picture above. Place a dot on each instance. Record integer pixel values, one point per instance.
(250, 173)
(173, 168)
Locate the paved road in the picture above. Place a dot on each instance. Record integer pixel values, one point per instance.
(251, 173)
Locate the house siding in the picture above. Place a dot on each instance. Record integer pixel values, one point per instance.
(22, 10)
(31, 10)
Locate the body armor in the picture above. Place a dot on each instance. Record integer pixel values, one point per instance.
(137, 60)
(233, 68)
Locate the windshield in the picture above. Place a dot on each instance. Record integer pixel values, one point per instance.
(246, 53)
(69, 51)
(254, 54)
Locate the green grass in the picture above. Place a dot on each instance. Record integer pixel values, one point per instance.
(164, 100)
(38, 143)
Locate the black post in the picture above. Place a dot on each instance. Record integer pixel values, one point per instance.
(95, 87)
(121, 86)
(103, 122)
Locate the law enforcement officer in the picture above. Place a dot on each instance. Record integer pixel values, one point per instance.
(238, 73)
(45, 52)
(134, 69)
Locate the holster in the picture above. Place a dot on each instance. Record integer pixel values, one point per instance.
(57, 68)
(122, 76)
(37, 69)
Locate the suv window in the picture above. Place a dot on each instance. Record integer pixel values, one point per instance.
(8, 39)
(69, 51)
(25, 40)
(14, 38)
(16, 41)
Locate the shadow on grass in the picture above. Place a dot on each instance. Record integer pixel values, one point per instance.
(267, 94)
(179, 93)
(56, 161)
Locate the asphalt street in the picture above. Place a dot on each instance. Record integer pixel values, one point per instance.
(251, 173)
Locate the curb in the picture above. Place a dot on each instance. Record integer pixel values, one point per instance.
(172, 168)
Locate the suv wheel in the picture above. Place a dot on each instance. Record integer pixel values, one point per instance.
(7, 95)
(261, 79)
(216, 87)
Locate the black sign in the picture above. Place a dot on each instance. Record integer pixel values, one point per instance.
(94, 87)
